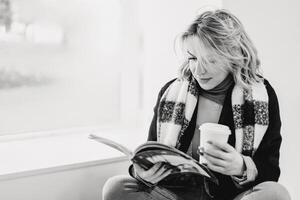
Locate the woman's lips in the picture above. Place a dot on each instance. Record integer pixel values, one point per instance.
(204, 80)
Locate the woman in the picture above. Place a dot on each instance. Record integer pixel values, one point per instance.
(219, 82)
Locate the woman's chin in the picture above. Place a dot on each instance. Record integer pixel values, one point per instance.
(206, 86)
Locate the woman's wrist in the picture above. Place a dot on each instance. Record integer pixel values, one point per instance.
(242, 167)
(250, 172)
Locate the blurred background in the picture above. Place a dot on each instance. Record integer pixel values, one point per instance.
(100, 63)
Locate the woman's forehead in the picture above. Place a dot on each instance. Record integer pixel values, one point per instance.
(193, 45)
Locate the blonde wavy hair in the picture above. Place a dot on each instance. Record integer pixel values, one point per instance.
(226, 35)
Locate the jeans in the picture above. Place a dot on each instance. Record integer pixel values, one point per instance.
(124, 187)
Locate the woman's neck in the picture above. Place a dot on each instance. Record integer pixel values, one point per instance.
(218, 93)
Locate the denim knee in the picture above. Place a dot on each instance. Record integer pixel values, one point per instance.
(268, 190)
(113, 188)
(276, 190)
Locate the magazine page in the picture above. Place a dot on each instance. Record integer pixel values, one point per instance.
(179, 162)
(152, 145)
(151, 152)
(113, 144)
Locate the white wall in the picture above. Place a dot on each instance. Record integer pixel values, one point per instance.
(274, 28)
(77, 184)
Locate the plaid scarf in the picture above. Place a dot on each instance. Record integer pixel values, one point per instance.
(250, 114)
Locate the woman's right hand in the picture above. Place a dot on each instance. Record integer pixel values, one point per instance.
(155, 174)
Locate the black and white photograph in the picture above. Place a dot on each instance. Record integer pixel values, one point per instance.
(149, 99)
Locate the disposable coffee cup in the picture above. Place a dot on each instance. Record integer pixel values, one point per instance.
(212, 132)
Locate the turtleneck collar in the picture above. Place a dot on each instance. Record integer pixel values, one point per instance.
(218, 93)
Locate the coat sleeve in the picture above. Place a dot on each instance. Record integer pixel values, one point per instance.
(152, 136)
(266, 158)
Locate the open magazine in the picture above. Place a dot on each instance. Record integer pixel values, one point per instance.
(185, 169)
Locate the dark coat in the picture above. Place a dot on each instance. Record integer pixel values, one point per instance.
(266, 158)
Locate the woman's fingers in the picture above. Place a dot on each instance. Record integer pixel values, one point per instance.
(139, 170)
(215, 168)
(132, 187)
(214, 160)
(155, 170)
(151, 174)
(222, 146)
(229, 163)
(160, 174)
(164, 175)
(157, 174)
(213, 151)
(142, 172)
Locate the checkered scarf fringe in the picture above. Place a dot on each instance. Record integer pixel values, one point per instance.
(250, 114)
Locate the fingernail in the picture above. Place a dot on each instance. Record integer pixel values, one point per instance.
(201, 151)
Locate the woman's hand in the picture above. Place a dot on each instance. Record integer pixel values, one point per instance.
(224, 159)
(155, 174)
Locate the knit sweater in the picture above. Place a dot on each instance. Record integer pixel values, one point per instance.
(208, 111)
(266, 158)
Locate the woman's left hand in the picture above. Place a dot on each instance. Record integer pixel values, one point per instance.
(224, 159)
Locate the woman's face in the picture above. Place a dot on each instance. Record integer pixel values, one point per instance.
(208, 68)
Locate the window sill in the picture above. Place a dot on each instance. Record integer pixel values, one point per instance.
(22, 156)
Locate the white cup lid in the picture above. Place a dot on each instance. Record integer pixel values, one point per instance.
(215, 127)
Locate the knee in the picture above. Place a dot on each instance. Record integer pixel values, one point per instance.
(274, 190)
(113, 188)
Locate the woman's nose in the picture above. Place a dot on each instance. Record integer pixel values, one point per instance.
(200, 69)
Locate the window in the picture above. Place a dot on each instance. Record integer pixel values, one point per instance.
(65, 64)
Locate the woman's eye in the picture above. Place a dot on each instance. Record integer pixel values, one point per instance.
(192, 59)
